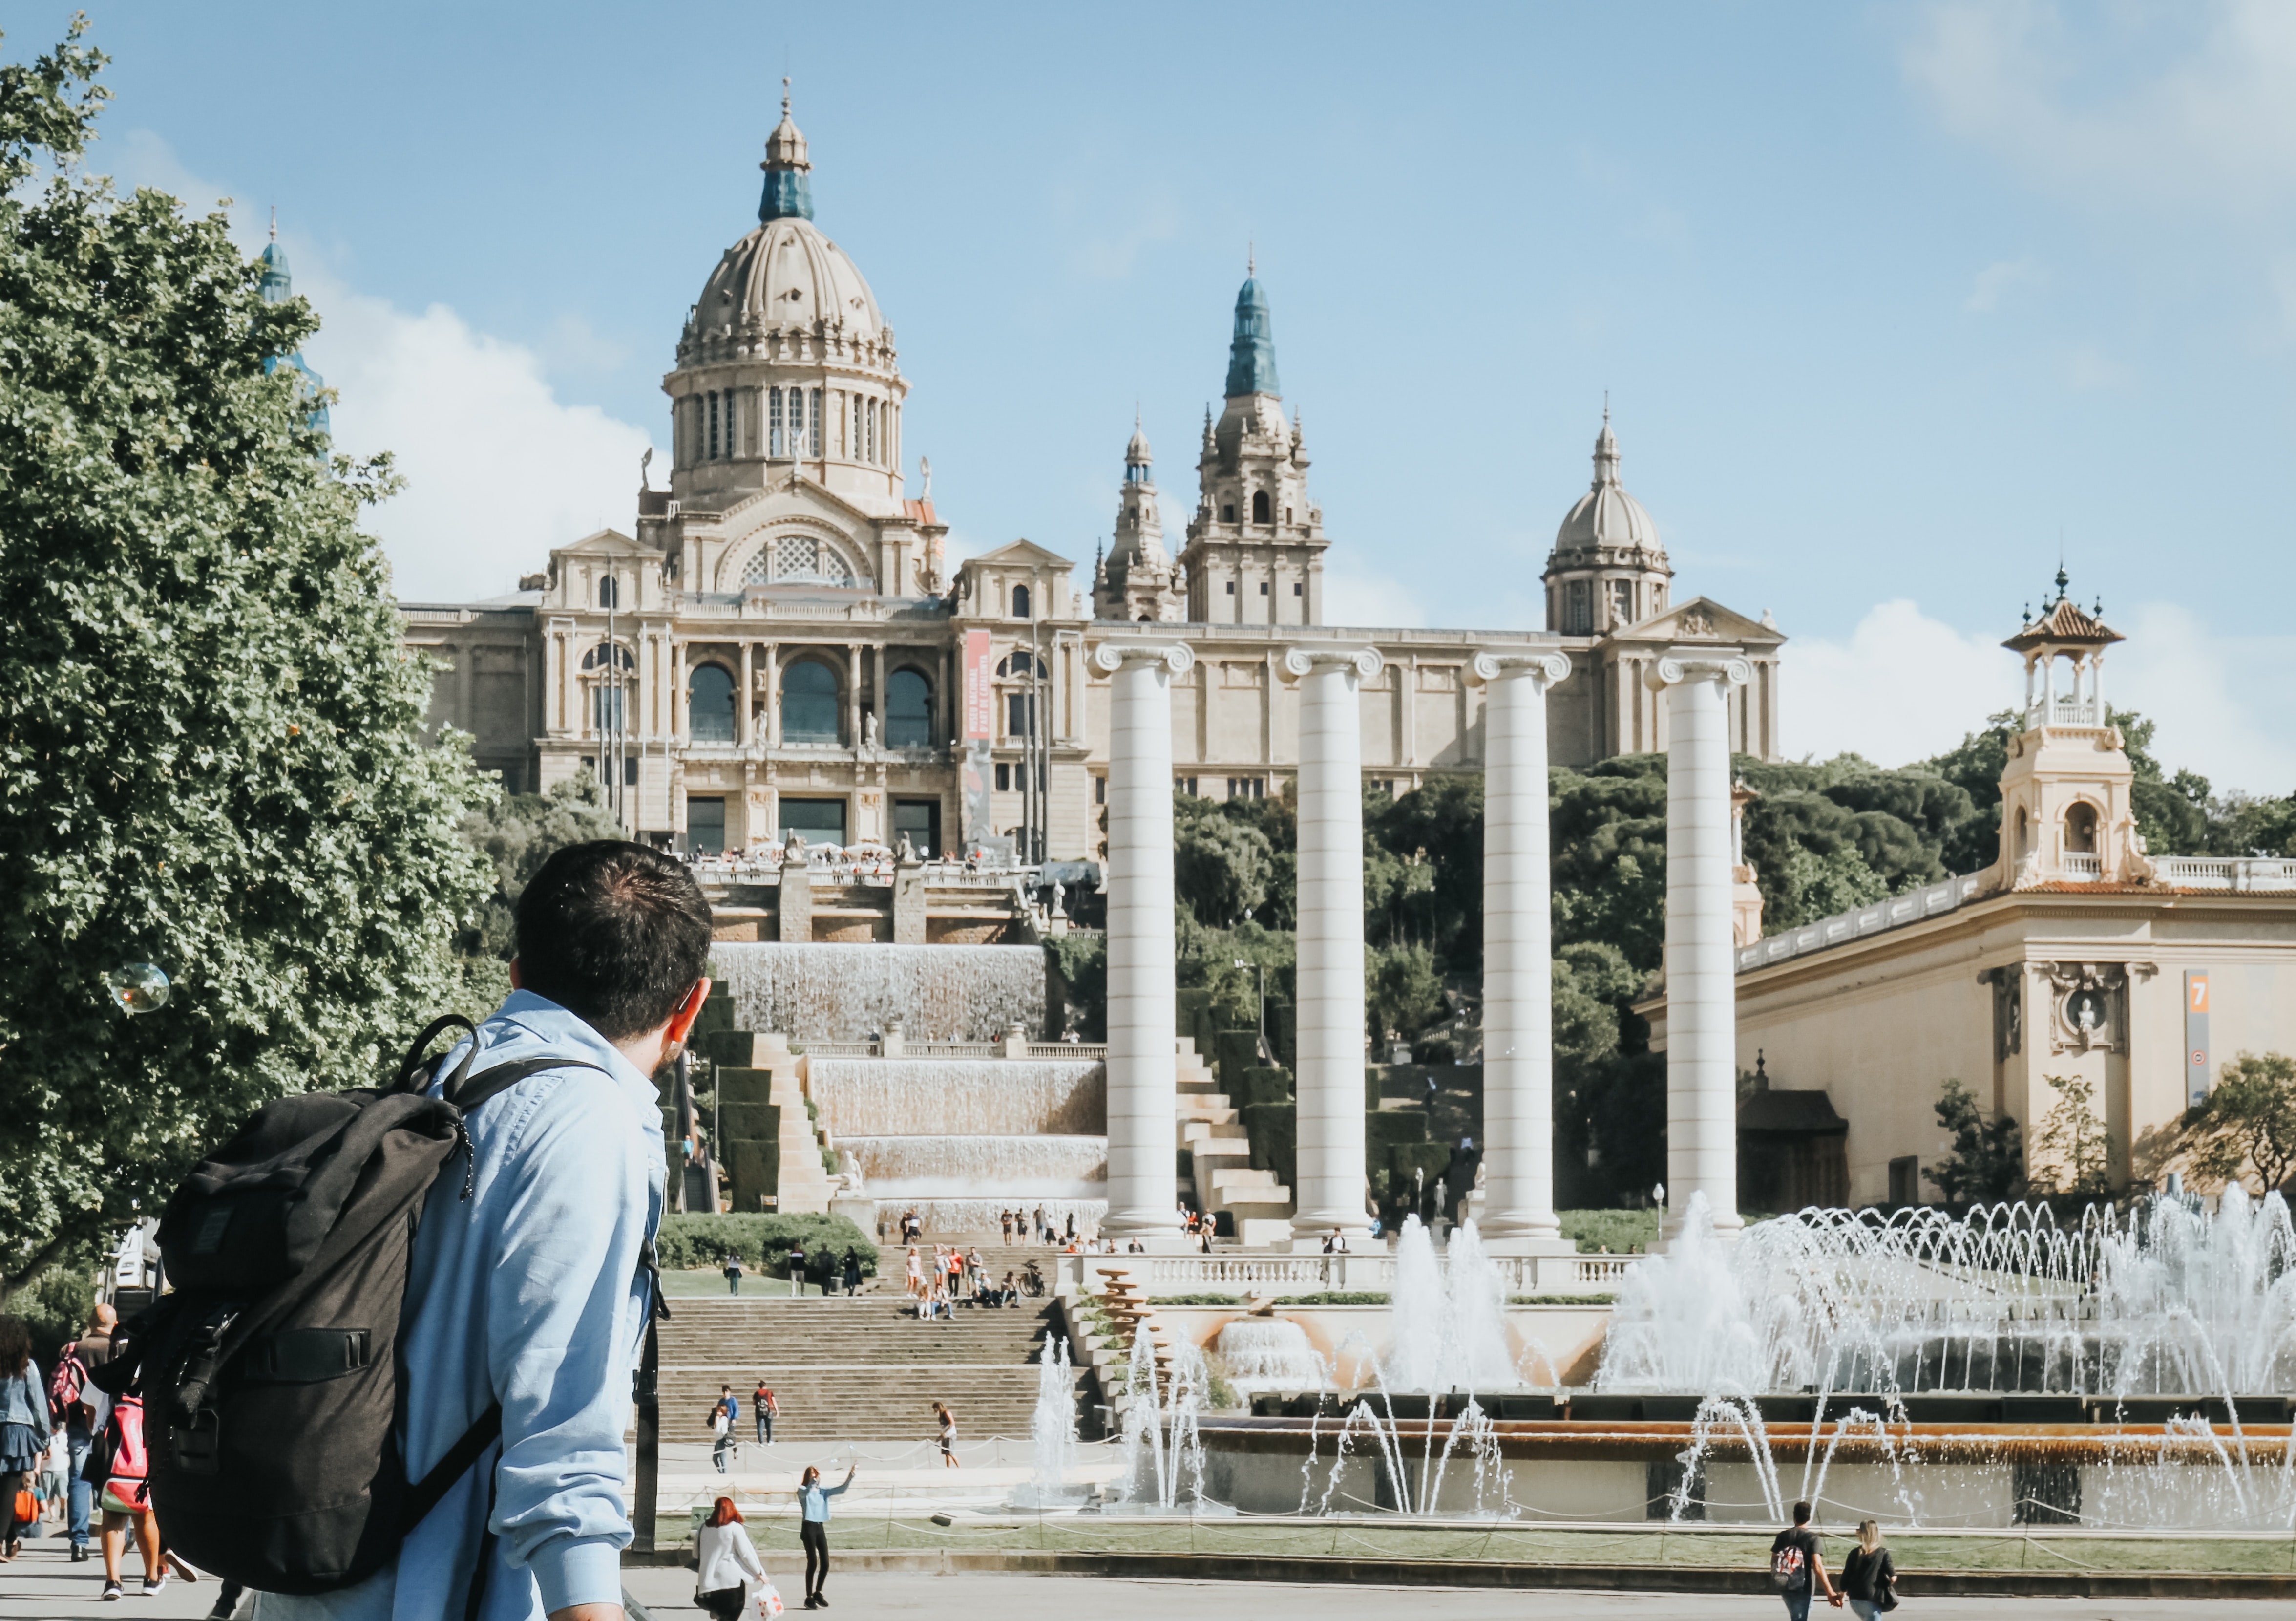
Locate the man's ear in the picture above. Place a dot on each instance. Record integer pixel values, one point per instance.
(681, 1022)
(517, 979)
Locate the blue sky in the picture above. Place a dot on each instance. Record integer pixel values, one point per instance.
(1886, 298)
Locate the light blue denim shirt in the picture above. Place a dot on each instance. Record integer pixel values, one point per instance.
(529, 1293)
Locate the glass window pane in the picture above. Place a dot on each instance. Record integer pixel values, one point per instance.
(710, 695)
(908, 710)
(809, 703)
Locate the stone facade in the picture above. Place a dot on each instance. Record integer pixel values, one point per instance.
(778, 643)
(2077, 955)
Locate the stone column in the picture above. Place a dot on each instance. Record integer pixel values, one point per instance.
(1702, 1009)
(1142, 1001)
(1518, 947)
(745, 731)
(1331, 935)
(853, 695)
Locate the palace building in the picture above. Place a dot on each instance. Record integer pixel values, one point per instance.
(780, 644)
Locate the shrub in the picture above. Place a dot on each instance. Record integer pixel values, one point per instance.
(701, 1240)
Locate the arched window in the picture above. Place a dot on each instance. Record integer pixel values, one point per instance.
(609, 593)
(2081, 830)
(713, 425)
(1259, 506)
(908, 710)
(809, 703)
(709, 694)
(1020, 602)
(1227, 512)
(775, 443)
(2025, 834)
(1021, 662)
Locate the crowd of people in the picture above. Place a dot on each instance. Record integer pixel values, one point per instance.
(69, 1452)
(954, 1278)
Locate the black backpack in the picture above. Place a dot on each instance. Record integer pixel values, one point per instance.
(271, 1375)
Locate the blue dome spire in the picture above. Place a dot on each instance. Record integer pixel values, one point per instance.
(789, 173)
(1251, 353)
(278, 286)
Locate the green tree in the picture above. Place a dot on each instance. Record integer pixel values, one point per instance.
(1822, 886)
(2172, 811)
(1987, 1161)
(2248, 1121)
(209, 756)
(1975, 768)
(517, 833)
(1220, 867)
(1402, 990)
(2072, 1152)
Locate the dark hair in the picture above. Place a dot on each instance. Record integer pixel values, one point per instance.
(1801, 1514)
(15, 1346)
(615, 933)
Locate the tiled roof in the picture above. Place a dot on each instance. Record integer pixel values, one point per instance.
(2064, 621)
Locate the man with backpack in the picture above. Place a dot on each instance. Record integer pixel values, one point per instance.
(81, 1408)
(529, 1288)
(1798, 1568)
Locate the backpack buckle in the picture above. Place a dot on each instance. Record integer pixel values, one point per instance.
(198, 1442)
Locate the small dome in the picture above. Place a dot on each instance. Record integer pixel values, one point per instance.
(1135, 454)
(786, 273)
(1606, 516)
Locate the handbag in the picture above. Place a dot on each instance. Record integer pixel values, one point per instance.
(1885, 1591)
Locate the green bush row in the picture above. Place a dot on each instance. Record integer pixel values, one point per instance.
(699, 1240)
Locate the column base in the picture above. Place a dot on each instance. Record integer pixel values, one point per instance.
(1310, 1231)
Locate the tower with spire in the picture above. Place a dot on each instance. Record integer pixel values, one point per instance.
(1137, 581)
(278, 285)
(1255, 546)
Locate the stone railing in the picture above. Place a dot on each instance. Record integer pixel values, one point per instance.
(1895, 912)
(1371, 1272)
(2084, 868)
(2227, 872)
(2064, 711)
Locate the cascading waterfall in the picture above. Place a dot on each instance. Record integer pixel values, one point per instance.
(960, 1096)
(937, 992)
(1017, 1167)
(1270, 1353)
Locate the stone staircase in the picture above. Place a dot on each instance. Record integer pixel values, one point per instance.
(858, 1369)
(1212, 1129)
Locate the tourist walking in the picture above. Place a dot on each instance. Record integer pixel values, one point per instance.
(125, 1468)
(1869, 1577)
(852, 1271)
(1006, 1219)
(765, 1409)
(1043, 1234)
(25, 1427)
(86, 1408)
(732, 1273)
(947, 1434)
(916, 1271)
(1798, 1566)
(722, 1416)
(726, 1562)
(813, 1531)
(978, 1268)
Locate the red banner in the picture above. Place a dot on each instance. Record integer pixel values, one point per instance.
(980, 688)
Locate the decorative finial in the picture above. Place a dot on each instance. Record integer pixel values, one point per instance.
(2099, 610)
(274, 222)
(1250, 257)
(1606, 408)
(2063, 579)
(924, 466)
(2025, 614)
(785, 96)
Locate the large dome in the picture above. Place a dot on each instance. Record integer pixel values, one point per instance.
(787, 274)
(1606, 518)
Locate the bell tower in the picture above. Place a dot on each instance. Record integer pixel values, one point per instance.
(2066, 810)
(1255, 551)
(1138, 582)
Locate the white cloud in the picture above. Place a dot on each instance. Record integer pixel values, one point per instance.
(497, 468)
(2088, 367)
(2220, 711)
(1372, 601)
(1901, 687)
(2215, 120)
(1904, 687)
(1998, 280)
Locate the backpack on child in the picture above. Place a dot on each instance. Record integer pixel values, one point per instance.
(272, 1369)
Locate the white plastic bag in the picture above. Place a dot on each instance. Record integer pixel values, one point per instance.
(769, 1600)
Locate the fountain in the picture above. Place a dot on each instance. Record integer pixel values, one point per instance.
(1163, 1443)
(1448, 1324)
(1051, 1427)
(1270, 1353)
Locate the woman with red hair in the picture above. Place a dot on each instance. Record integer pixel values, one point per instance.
(728, 1562)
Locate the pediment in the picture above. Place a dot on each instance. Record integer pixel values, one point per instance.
(604, 543)
(791, 495)
(1022, 554)
(1701, 619)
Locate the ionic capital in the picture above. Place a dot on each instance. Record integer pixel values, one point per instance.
(1676, 670)
(1298, 662)
(1110, 656)
(1547, 669)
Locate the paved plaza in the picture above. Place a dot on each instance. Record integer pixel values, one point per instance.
(41, 1585)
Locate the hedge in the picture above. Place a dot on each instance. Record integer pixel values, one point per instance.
(701, 1240)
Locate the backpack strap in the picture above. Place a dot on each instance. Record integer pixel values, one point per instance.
(468, 1092)
(412, 1065)
(423, 1495)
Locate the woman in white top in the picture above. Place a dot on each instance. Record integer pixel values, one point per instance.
(916, 1274)
(728, 1562)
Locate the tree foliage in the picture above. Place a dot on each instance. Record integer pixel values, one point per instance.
(1987, 1162)
(2246, 1124)
(209, 756)
(2072, 1153)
